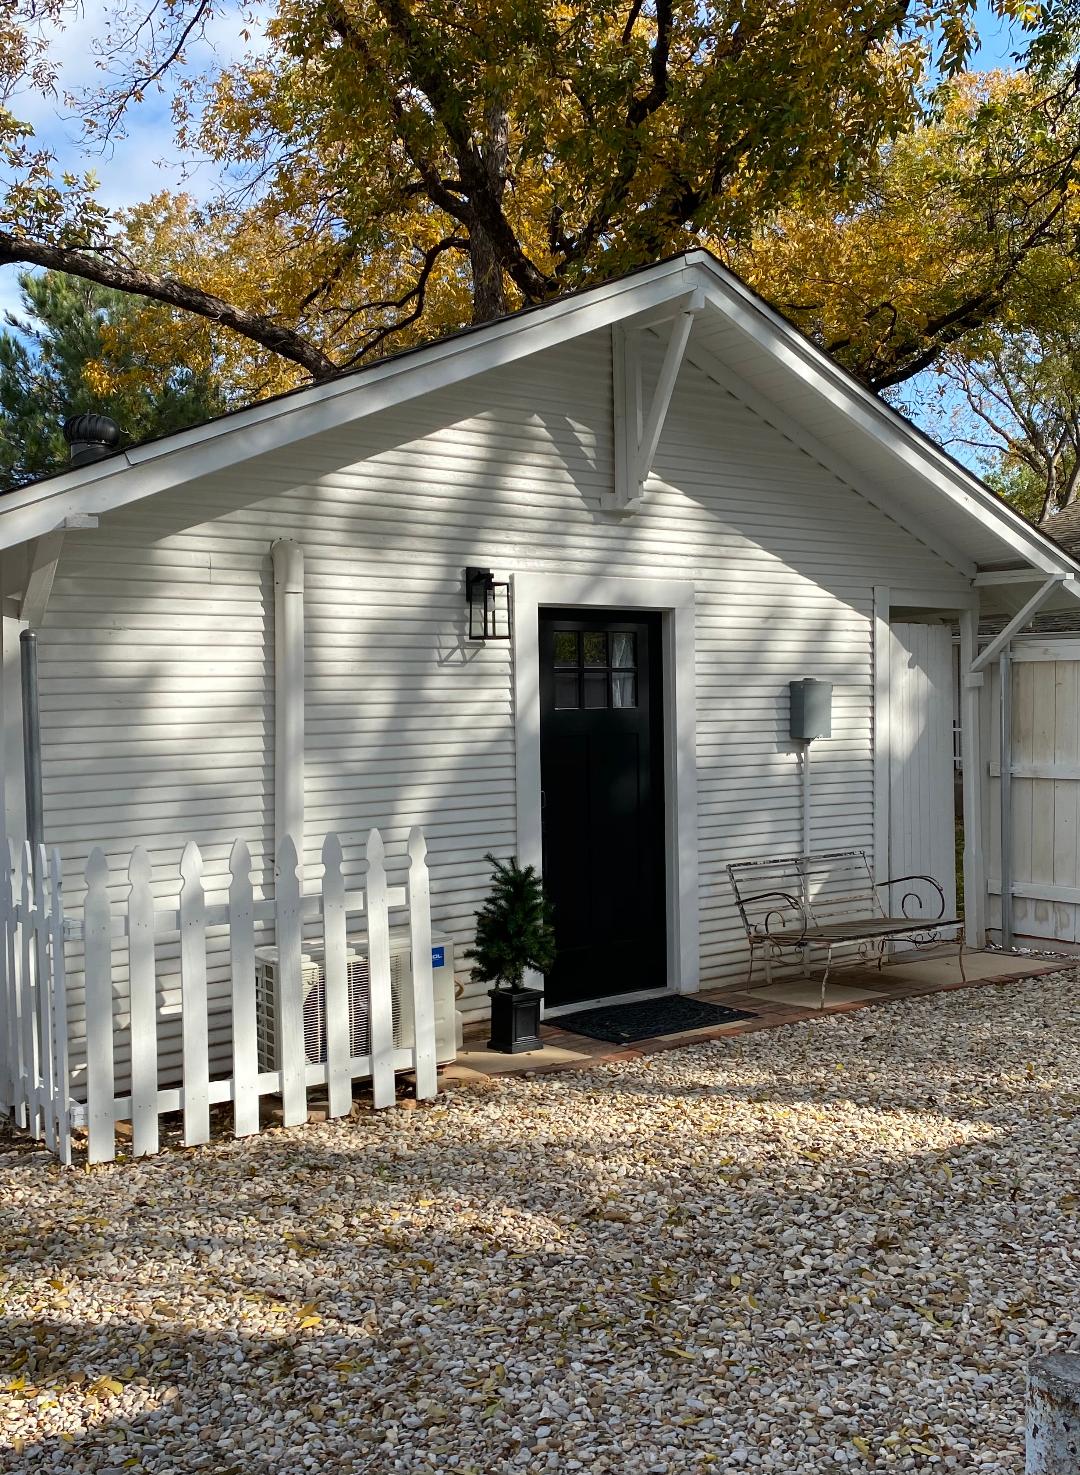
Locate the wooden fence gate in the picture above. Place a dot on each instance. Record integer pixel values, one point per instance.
(1033, 821)
(35, 1075)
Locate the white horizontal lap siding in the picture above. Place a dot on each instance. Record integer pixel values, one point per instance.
(406, 722)
(157, 728)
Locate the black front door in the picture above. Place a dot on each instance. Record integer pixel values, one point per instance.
(601, 756)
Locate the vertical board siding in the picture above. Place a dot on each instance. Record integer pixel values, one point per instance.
(1045, 801)
(159, 635)
(921, 828)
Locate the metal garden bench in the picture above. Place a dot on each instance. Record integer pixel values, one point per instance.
(800, 902)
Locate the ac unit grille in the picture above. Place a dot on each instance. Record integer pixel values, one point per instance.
(267, 1005)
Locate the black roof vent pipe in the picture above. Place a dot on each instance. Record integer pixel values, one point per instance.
(91, 437)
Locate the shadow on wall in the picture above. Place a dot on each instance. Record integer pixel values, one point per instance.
(389, 520)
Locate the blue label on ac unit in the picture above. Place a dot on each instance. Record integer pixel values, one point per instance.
(438, 957)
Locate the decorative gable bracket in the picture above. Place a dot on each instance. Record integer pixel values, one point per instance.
(637, 429)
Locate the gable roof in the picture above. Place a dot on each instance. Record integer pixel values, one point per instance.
(738, 340)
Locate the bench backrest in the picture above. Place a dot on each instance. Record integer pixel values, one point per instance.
(796, 891)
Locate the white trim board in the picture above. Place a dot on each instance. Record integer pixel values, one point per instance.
(643, 297)
(1046, 647)
(565, 1012)
(870, 416)
(708, 364)
(204, 450)
(675, 600)
(965, 604)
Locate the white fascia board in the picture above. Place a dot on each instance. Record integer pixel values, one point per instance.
(208, 449)
(213, 448)
(770, 413)
(875, 419)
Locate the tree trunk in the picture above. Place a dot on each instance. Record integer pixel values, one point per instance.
(489, 292)
(1053, 1417)
(489, 289)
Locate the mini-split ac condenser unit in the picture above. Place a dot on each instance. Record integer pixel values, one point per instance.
(268, 1000)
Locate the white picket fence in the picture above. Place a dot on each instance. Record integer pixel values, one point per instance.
(35, 1075)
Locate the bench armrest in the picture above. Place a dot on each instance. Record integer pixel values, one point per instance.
(914, 896)
(762, 928)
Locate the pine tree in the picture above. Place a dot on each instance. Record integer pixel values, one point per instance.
(513, 928)
(68, 355)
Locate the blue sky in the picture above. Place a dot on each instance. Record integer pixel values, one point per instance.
(145, 160)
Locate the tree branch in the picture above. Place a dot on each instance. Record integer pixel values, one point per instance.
(94, 267)
(117, 104)
(416, 294)
(638, 112)
(483, 209)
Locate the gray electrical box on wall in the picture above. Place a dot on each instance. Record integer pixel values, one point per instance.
(811, 709)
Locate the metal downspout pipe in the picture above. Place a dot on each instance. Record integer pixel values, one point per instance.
(31, 723)
(288, 559)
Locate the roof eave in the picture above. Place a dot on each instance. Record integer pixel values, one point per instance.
(210, 449)
(874, 416)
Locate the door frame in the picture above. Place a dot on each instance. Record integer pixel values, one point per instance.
(963, 604)
(674, 600)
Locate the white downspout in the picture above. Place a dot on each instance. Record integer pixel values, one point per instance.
(288, 560)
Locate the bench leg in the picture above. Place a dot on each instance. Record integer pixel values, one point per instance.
(750, 973)
(960, 958)
(825, 975)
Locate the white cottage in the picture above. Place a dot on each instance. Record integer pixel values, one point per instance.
(260, 627)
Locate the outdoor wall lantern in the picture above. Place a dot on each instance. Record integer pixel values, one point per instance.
(488, 604)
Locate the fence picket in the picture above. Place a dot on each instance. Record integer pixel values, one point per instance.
(100, 1079)
(28, 1006)
(34, 1071)
(289, 943)
(423, 991)
(58, 977)
(8, 1016)
(242, 960)
(18, 1038)
(382, 1004)
(195, 1026)
(143, 996)
(336, 981)
(43, 991)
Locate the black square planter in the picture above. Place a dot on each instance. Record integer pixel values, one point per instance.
(515, 1020)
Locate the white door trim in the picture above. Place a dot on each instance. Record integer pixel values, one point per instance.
(964, 604)
(675, 600)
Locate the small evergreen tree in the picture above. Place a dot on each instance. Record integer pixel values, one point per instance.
(513, 928)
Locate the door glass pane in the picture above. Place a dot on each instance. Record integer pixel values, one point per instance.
(595, 648)
(622, 650)
(623, 689)
(566, 648)
(596, 688)
(567, 695)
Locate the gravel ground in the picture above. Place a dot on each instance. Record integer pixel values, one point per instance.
(825, 1247)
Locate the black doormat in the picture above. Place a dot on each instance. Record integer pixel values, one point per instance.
(621, 1024)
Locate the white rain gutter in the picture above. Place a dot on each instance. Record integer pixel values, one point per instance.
(288, 560)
